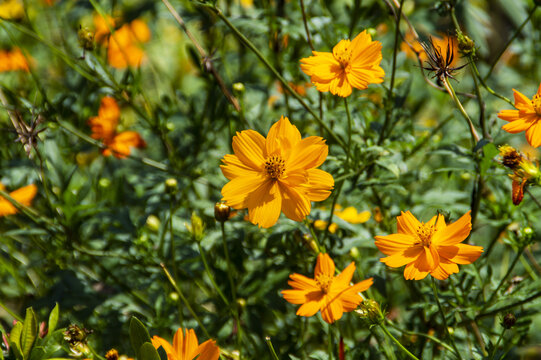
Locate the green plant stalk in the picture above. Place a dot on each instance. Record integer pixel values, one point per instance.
(495, 349)
(515, 35)
(330, 341)
(285, 84)
(314, 236)
(232, 285)
(271, 348)
(510, 306)
(8, 310)
(333, 205)
(390, 95)
(400, 346)
(433, 338)
(451, 339)
(509, 270)
(209, 274)
(483, 83)
(184, 300)
(451, 91)
(350, 127)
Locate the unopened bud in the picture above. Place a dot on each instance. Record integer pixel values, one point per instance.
(241, 302)
(239, 87)
(173, 296)
(171, 185)
(509, 320)
(354, 252)
(196, 228)
(153, 223)
(86, 38)
(369, 310)
(221, 212)
(314, 247)
(466, 46)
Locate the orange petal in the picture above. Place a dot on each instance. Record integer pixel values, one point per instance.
(394, 243)
(249, 147)
(533, 134)
(264, 204)
(509, 115)
(453, 233)
(324, 265)
(407, 223)
(444, 269)
(320, 184)
(235, 192)
(25, 195)
(282, 137)
(411, 272)
(302, 282)
(407, 256)
(295, 205)
(309, 309)
(461, 253)
(208, 351)
(233, 167)
(332, 311)
(307, 154)
(343, 279)
(521, 101)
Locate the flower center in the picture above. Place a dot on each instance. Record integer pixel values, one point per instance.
(342, 52)
(324, 282)
(536, 102)
(424, 234)
(275, 166)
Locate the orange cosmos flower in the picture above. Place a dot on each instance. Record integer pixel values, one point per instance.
(351, 64)
(104, 126)
(433, 248)
(332, 295)
(186, 347)
(24, 195)
(526, 118)
(13, 60)
(124, 45)
(275, 174)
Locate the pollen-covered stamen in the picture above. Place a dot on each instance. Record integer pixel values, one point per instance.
(324, 282)
(424, 234)
(342, 53)
(275, 166)
(536, 102)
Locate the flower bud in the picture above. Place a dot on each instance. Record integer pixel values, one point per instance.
(239, 87)
(354, 252)
(369, 310)
(112, 355)
(196, 228)
(171, 185)
(86, 38)
(466, 46)
(153, 223)
(173, 296)
(241, 302)
(508, 321)
(221, 212)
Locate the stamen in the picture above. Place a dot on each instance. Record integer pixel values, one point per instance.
(536, 102)
(424, 234)
(324, 282)
(275, 166)
(342, 53)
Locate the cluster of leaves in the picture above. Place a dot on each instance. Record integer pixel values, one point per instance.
(101, 230)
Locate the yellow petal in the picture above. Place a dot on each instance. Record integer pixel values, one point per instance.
(295, 205)
(307, 154)
(208, 351)
(233, 167)
(264, 204)
(235, 193)
(282, 137)
(324, 265)
(461, 253)
(249, 146)
(453, 233)
(320, 184)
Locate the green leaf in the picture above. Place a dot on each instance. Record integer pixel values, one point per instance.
(29, 332)
(138, 335)
(53, 319)
(148, 352)
(15, 340)
(489, 152)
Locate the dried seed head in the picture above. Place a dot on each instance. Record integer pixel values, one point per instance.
(509, 320)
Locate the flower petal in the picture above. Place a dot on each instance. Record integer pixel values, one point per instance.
(309, 153)
(295, 205)
(264, 204)
(444, 269)
(394, 243)
(235, 193)
(324, 265)
(208, 351)
(319, 186)
(461, 253)
(233, 167)
(411, 272)
(406, 223)
(343, 279)
(453, 233)
(332, 311)
(407, 256)
(533, 134)
(301, 282)
(282, 137)
(249, 146)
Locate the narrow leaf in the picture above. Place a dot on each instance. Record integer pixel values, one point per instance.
(15, 340)
(29, 332)
(138, 335)
(148, 352)
(53, 319)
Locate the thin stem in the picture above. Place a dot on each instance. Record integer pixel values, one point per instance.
(510, 306)
(304, 20)
(390, 96)
(285, 84)
(435, 290)
(433, 338)
(533, 198)
(10, 312)
(509, 270)
(519, 30)
(231, 284)
(330, 341)
(495, 349)
(184, 300)
(348, 153)
(451, 91)
(487, 88)
(271, 348)
(388, 333)
(314, 236)
(209, 274)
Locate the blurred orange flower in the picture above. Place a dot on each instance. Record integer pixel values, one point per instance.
(104, 126)
(275, 174)
(124, 45)
(433, 248)
(24, 195)
(352, 64)
(13, 60)
(526, 118)
(186, 347)
(332, 295)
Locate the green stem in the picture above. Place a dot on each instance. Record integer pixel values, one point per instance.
(451, 91)
(271, 348)
(495, 349)
(433, 338)
(209, 274)
(451, 339)
(348, 152)
(285, 84)
(519, 30)
(314, 236)
(184, 300)
(483, 83)
(8, 310)
(509, 270)
(330, 341)
(388, 333)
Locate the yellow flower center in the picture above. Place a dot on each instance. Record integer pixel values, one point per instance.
(275, 166)
(324, 282)
(536, 102)
(342, 53)
(424, 234)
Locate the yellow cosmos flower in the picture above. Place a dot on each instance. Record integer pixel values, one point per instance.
(24, 195)
(349, 214)
(276, 174)
(332, 295)
(352, 64)
(433, 248)
(526, 118)
(186, 347)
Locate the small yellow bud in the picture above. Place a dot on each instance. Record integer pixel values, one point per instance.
(86, 38)
(173, 296)
(221, 212)
(354, 252)
(314, 247)
(466, 46)
(196, 228)
(239, 87)
(171, 185)
(104, 182)
(241, 302)
(153, 223)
